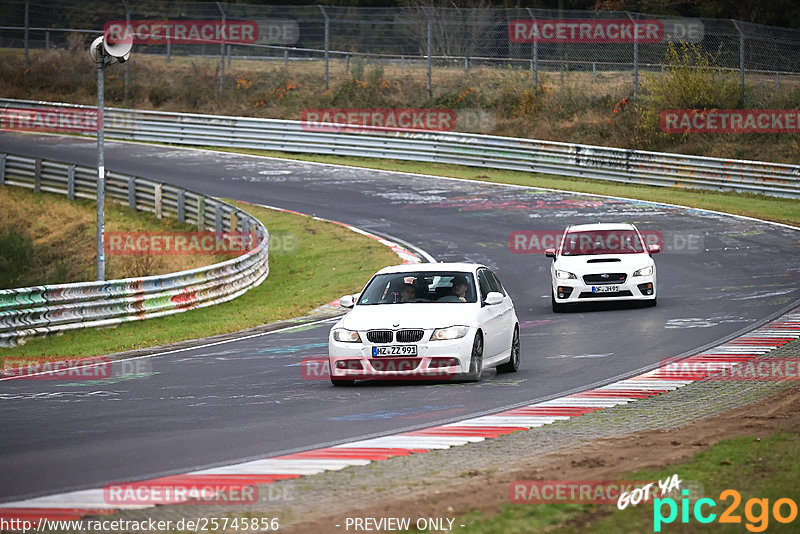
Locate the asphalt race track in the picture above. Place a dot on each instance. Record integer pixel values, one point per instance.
(247, 399)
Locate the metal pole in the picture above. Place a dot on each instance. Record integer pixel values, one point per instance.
(27, 12)
(635, 57)
(229, 56)
(169, 47)
(127, 63)
(101, 169)
(221, 52)
(741, 58)
(430, 45)
(47, 40)
(535, 53)
(327, 43)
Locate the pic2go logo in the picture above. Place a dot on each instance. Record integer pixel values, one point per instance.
(758, 520)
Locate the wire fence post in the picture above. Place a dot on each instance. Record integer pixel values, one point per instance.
(534, 54)
(127, 63)
(27, 29)
(635, 56)
(221, 52)
(327, 43)
(741, 58)
(430, 46)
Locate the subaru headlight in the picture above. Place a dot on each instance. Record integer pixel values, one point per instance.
(564, 275)
(451, 332)
(645, 271)
(346, 336)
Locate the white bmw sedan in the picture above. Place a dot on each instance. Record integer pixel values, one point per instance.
(602, 262)
(425, 321)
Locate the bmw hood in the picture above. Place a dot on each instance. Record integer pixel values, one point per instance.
(411, 315)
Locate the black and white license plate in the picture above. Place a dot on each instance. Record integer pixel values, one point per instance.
(395, 350)
(605, 289)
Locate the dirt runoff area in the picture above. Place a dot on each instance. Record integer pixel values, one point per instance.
(485, 489)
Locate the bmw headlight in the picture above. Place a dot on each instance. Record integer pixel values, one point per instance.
(451, 332)
(564, 275)
(346, 336)
(645, 271)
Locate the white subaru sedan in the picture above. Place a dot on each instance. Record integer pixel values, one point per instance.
(425, 321)
(602, 262)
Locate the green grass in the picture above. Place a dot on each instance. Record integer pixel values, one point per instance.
(762, 469)
(775, 209)
(311, 262)
(47, 239)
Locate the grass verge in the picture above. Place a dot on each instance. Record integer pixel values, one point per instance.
(47, 239)
(758, 468)
(311, 262)
(775, 209)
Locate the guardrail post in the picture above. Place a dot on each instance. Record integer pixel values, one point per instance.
(535, 55)
(347, 63)
(47, 40)
(285, 58)
(132, 193)
(37, 176)
(430, 46)
(181, 205)
(635, 56)
(327, 42)
(217, 218)
(3, 168)
(157, 205)
(169, 50)
(246, 230)
(221, 52)
(201, 213)
(230, 53)
(71, 182)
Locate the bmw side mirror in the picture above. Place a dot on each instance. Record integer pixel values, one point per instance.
(654, 249)
(347, 301)
(492, 298)
(550, 252)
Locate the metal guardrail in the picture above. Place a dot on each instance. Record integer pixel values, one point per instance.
(477, 150)
(41, 310)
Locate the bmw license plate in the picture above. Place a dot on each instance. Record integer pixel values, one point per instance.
(605, 289)
(395, 350)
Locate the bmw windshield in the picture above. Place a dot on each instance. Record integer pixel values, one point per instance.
(419, 287)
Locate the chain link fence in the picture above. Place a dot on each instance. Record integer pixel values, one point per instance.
(422, 41)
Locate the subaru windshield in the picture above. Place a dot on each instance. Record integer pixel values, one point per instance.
(602, 242)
